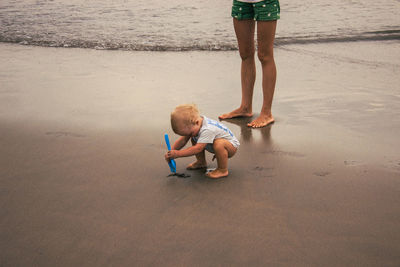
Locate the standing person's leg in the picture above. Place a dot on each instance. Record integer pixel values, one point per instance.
(265, 41)
(244, 30)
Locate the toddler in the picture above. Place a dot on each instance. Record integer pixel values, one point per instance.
(205, 134)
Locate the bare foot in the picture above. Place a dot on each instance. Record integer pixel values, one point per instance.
(240, 112)
(217, 173)
(197, 165)
(261, 121)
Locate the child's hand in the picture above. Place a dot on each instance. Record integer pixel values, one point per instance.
(172, 154)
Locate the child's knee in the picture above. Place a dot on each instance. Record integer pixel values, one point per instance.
(224, 146)
(219, 144)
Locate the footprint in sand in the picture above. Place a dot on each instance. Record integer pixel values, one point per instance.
(63, 134)
(352, 163)
(259, 168)
(262, 170)
(284, 153)
(269, 176)
(393, 165)
(321, 173)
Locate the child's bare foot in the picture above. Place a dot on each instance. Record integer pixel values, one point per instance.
(197, 165)
(217, 173)
(261, 121)
(240, 112)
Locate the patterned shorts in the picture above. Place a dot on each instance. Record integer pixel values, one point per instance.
(260, 11)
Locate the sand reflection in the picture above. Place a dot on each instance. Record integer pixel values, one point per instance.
(250, 135)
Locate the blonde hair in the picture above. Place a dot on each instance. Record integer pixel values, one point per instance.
(185, 114)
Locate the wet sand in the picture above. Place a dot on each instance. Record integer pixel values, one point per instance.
(83, 180)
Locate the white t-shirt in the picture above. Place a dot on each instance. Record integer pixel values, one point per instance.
(250, 1)
(211, 130)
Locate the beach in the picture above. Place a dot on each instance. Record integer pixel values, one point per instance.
(84, 181)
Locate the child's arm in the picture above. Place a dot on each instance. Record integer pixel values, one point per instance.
(181, 142)
(193, 150)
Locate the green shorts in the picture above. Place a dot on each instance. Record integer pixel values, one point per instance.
(260, 11)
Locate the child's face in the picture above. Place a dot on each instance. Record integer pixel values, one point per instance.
(188, 130)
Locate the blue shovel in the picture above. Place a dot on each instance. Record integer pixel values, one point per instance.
(171, 162)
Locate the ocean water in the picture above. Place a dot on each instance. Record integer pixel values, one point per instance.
(179, 25)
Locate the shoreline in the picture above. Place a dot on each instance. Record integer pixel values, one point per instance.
(368, 36)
